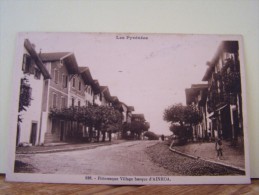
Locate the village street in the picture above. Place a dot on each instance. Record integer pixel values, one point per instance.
(128, 158)
(131, 158)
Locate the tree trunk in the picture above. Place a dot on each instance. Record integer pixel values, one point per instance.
(18, 133)
(132, 135)
(104, 135)
(77, 130)
(98, 135)
(110, 136)
(90, 133)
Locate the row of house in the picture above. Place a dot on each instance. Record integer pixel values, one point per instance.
(219, 101)
(57, 81)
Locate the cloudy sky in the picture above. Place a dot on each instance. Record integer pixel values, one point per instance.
(149, 74)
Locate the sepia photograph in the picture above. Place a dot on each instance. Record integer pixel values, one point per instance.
(128, 108)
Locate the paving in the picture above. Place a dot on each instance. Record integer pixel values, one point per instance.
(124, 159)
(233, 157)
(63, 146)
(186, 166)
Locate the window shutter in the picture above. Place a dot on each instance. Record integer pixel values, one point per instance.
(26, 63)
(31, 66)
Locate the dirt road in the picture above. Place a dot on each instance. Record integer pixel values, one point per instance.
(127, 158)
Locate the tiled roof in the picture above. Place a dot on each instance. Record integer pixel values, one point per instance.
(194, 91)
(131, 108)
(96, 86)
(199, 86)
(103, 88)
(86, 75)
(139, 116)
(67, 57)
(82, 69)
(106, 92)
(115, 98)
(53, 56)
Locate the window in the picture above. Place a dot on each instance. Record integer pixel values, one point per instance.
(55, 100)
(79, 103)
(64, 81)
(37, 74)
(26, 63)
(79, 87)
(63, 102)
(74, 82)
(56, 76)
(33, 135)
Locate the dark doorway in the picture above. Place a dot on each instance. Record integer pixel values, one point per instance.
(226, 123)
(33, 133)
(18, 134)
(62, 129)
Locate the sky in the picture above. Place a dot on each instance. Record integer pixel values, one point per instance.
(150, 74)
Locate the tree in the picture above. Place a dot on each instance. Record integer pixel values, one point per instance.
(103, 118)
(106, 119)
(24, 102)
(151, 135)
(136, 128)
(183, 115)
(175, 114)
(25, 97)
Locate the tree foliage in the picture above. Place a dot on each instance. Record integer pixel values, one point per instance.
(102, 118)
(181, 131)
(151, 135)
(181, 114)
(136, 128)
(25, 96)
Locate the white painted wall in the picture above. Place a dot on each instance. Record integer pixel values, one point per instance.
(33, 112)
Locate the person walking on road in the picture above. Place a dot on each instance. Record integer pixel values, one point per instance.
(219, 149)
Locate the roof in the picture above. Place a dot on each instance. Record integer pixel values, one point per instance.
(68, 59)
(115, 98)
(86, 75)
(56, 56)
(96, 86)
(225, 46)
(103, 88)
(106, 93)
(199, 86)
(131, 108)
(28, 46)
(194, 91)
(123, 106)
(139, 116)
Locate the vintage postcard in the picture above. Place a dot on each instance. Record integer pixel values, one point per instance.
(135, 109)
